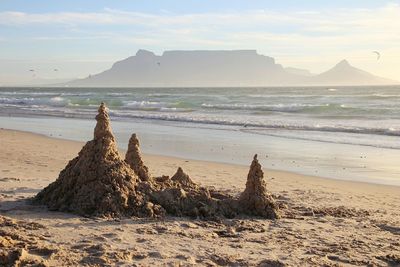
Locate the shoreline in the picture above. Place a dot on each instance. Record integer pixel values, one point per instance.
(274, 174)
(310, 158)
(256, 130)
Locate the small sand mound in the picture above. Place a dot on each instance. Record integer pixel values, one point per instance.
(183, 179)
(180, 202)
(97, 182)
(134, 159)
(255, 199)
(180, 196)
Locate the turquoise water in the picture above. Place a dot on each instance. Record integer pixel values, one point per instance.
(352, 115)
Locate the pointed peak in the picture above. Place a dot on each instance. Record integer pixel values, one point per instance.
(102, 108)
(133, 140)
(179, 174)
(343, 63)
(182, 178)
(255, 165)
(103, 128)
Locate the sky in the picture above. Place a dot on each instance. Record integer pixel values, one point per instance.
(78, 38)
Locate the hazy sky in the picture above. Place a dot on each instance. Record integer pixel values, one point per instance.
(85, 37)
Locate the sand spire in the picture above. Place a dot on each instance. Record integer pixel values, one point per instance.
(255, 199)
(134, 159)
(103, 128)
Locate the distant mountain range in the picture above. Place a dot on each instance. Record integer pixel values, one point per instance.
(219, 68)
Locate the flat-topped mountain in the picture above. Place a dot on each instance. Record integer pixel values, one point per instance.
(206, 68)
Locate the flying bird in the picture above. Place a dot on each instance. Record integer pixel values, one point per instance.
(378, 55)
(33, 72)
(55, 69)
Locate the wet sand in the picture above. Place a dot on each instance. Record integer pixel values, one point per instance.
(233, 145)
(325, 221)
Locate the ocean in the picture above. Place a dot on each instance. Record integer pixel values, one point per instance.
(364, 119)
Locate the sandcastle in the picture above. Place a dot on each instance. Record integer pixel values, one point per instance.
(98, 182)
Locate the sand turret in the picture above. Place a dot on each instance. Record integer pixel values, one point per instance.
(255, 199)
(134, 159)
(103, 128)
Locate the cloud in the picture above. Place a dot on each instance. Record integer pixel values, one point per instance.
(377, 24)
(332, 21)
(322, 19)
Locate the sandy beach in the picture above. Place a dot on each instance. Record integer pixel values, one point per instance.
(199, 133)
(324, 221)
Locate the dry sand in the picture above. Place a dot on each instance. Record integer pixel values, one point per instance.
(325, 222)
